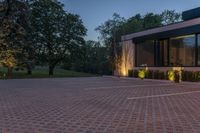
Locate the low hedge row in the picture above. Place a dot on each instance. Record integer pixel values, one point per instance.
(193, 76)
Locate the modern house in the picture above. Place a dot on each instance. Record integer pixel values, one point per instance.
(164, 47)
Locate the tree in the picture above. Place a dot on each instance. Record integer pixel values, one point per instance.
(111, 37)
(170, 16)
(12, 33)
(151, 20)
(112, 30)
(133, 24)
(8, 60)
(95, 58)
(138, 23)
(91, 57)
(56, 32)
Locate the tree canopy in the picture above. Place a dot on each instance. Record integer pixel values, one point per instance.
(56, 31)
(13, 33)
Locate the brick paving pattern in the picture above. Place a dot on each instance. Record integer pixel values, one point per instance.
(98, 105)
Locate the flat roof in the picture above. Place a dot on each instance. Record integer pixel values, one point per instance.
(171, 27)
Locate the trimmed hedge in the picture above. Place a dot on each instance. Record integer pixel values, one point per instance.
(192, 76)
(130, 73)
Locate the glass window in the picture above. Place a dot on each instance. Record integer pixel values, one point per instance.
(162, 53)
(198, 39)
(145, 53)
(182, 51)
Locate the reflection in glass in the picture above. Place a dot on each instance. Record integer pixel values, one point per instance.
(198, 39)
(162, 53)
(145, 53)
(182, 51)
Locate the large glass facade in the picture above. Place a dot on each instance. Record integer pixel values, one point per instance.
(182, 51)
(198, 40)
(161, 53)
(145, 53)
(176, 51)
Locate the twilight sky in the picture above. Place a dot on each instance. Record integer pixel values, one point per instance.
(95, 12)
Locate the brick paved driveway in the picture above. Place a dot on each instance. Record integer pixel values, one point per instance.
(98, 105)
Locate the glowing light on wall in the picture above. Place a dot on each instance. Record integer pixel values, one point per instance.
(127, 59)
(124, 71)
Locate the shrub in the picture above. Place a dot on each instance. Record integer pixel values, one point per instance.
(197, 76)
(161, 75)
(156, 74)
(177, 76)
(171, 75)
(187, 76)
(168, 75)
(130, 73)
(149, 74)
(141, 73)
(135, 73)
(191, 76)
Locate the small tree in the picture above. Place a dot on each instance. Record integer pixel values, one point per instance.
(7, 60)
(111, 36)
(13, 33)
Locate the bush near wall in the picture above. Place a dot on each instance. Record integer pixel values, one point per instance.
(150, 74)
(192, 76)
(135, 73)
(130, 73)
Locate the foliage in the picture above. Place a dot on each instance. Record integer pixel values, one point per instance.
(171, 75)
(133, 24)
(91, 57)
(192, 76)
(42, 32)
(149, 74)
(13, 32)
(130, 73)
(109, 28)
(111, 36)
(177, 76)
(141, 73)
(135, 73)
(56, 32)
(170, 16)
(112, 30)
(7, 59)
(151, 20)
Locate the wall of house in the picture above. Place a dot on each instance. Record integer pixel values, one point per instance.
(128, 57)
(127, 61)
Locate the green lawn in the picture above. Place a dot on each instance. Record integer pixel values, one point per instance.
(43, 73)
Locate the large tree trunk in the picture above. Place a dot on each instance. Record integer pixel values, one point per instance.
(9, 72)
(29, 72)
(52, 66)
(51, 69)
(29, 69)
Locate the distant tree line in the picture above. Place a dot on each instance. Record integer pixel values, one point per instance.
(41, 32)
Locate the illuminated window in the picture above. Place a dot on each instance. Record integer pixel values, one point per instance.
(182, 51)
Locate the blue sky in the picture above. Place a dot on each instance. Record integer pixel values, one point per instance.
(95, 12)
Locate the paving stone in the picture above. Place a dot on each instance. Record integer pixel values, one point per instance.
(98, 105)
